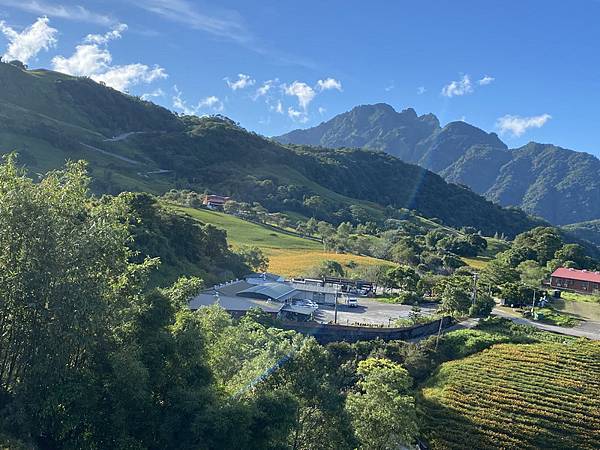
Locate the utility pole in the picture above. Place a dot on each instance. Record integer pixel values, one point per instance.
(335, 306)
(475, 277)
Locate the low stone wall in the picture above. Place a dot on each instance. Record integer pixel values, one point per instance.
(325, 333)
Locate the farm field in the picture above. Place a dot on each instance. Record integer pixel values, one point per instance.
(516, 396)
(289, 254)
(477, 262)
(295, 263)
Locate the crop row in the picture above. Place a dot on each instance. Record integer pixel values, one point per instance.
(517, 396)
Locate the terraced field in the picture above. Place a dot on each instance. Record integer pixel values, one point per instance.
(536, 396)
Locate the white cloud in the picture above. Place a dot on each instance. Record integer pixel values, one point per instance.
(485, 80)
(29, 42)
(390, 87)
(302, 91)
(242, 82)
(298, 116)
(329, 83)
(87, 60)
(76, 13)
(123, 77)
(278, 108)
(115, 33)
(322, 110)
(157, 93)
(458, 88)
(421, 90)
(212, 103)
(94, 60)
(180, 104)
(517, 125)
(265, 88)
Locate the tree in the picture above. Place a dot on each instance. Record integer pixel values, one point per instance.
(327, 233)
(320, 419)
(574, 254)
(254, 258)
(328, 268)
(67, 283)
(517, 294)
(483, 305)
(382, 409)
(408, 298)
(456, 294)
(497, 272)
(402, 277)
(532, 274)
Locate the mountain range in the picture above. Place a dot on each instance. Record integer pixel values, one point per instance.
(132, 144)
(557, 184)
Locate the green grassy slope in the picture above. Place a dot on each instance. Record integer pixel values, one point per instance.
(289, 254)
(241, 232)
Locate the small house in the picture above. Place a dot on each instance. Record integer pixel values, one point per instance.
(215, 201)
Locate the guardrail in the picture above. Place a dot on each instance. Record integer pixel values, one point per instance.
(325, 333)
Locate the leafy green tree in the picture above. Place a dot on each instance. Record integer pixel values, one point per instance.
(532, 274)
(497, 272)
(402, 277)
(517, 294)
(482, 306)
(328, 268)
(382, 408)
(571, 255)
(311, 377)
(254, 258)
(408, 298)
(456, 294)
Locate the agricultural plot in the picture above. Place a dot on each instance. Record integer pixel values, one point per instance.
(516, 397)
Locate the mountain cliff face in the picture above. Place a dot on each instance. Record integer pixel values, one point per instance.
(49, 117)
(560, 185)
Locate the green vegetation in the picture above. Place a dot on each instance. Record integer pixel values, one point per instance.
(556, 178)
(554, 317)
(575, 297)
(214, 154)
(516, 396)
(589, 231)
(241, 232)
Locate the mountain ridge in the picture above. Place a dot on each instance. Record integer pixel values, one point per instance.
(542, 179)
(214, 154)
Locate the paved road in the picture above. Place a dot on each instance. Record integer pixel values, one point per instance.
(588, 329)
(107, 153)
(367, 312)
(122, 137)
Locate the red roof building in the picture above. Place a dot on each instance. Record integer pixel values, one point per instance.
(215, 201)
(582, 281)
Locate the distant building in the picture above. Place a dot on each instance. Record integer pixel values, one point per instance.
(275, 298)
(582, 281)
(215, 201)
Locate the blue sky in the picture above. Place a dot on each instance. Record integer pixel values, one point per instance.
(529, 70)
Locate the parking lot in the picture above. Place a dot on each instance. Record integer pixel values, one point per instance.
(369, 312)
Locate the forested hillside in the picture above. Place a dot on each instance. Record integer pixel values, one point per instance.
(560, 185)
(155, 151)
